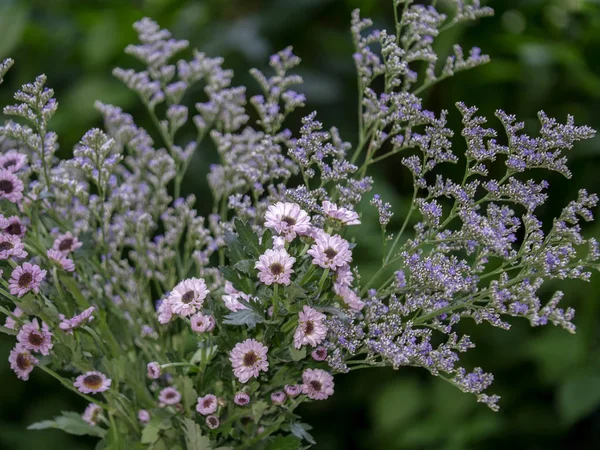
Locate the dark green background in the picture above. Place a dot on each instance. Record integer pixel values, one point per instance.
(544, 56)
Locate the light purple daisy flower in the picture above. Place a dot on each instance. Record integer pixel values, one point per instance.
(287, 219)
(349, 296)
(14, 227)
(248, 358)
(25, 278)
(293, 390)
(188, 296)
(317, 384)
(34, 338)
(169, 396)
(241, 399)
(13, 160)
(11, 247)
(165, 314)
(207, 404)
(154, 370)
(212, 422)
(311, 327)
(202, 324)
(92, 414)
(278, 398)
(92, 382)
(343, 215)
(275, 266)
(319, 354)
(143, 416)
(68, 325)
(330, 252)
(66, 243)
(59, 258)
(22, 361)
(232, 296)
(10, 322)
(344, 276)
(11, 187)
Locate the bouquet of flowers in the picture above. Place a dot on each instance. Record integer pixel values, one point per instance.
(191, 332)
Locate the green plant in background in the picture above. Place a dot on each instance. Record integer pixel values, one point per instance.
(425, 393)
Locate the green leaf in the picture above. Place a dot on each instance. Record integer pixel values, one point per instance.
(248, 238)
(70, 422)
(284, 443)
(13, 20)
(579, 396)
(194, 440)
(245, 266)
(243, 317)
(74, 290)
(188, 392)
(297, 355)
(29, 305)
(258, 408)
(150, 433)
(300, 430)
(8, 331)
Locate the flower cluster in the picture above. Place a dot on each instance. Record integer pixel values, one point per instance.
(216, 328)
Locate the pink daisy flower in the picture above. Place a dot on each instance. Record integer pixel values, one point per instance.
(330, 252)
(212, 422)
(207, 404)
(319, 354)
(188, 296)
(287, 219)
(202, 324)
(275, 266)
(14, 227)
(154, 370)
(293, 390)
(278, 398)
(59, 258)
(11, 247)
(92, 382)
(35, 339)
(241, 399)
(232, 296)
(25, 278)
(11, 187)
(248, 358)
(311, 328)
(349, 296)
(143, 416)
(342, 215)
(169, 396)
(22, 361)
(68, 325)
(344, 276)
(10, 322)
(13, 160)
(92, 414)
(66, 243)
(165, 314)
(317, 384)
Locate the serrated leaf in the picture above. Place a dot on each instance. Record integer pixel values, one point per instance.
(298, 355)
(245, 266)
(248, 238)
(300, 430)
(70, 422)
(243, 317)
(284, 443)
(194, 440)
(188, 392)
(150, 433)
(29, 305)
(294, 291)
(258, 408)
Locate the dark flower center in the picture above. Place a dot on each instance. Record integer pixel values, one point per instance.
(187, 297)
(25, 280)
(5, 246)
(207, 402)
(309, 327)
(14, 229)
(23, 361)
(316, 385)
(250, 359)
(65, 244)
(10, 162)
(36, 339)
(276, 269)
(93, 381)
(290, 221)
(6, 186)
(330, 253)
(213, 422)
(242, 400)
(170, 395)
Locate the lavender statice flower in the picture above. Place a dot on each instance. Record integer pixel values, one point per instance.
(35, 338)
(92, 382)
(188, 296)
(275, 266)
(92, 414)
(288, 220)
(330, 252)
(317, 384)
(248, 358)
(25, 278)
(169, 396)
(207, 405)
(311, 328)
(11, 247)
(22, 361)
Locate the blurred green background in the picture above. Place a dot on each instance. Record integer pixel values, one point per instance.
(545, 55)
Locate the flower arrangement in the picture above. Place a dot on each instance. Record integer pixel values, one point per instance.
(186, 332)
